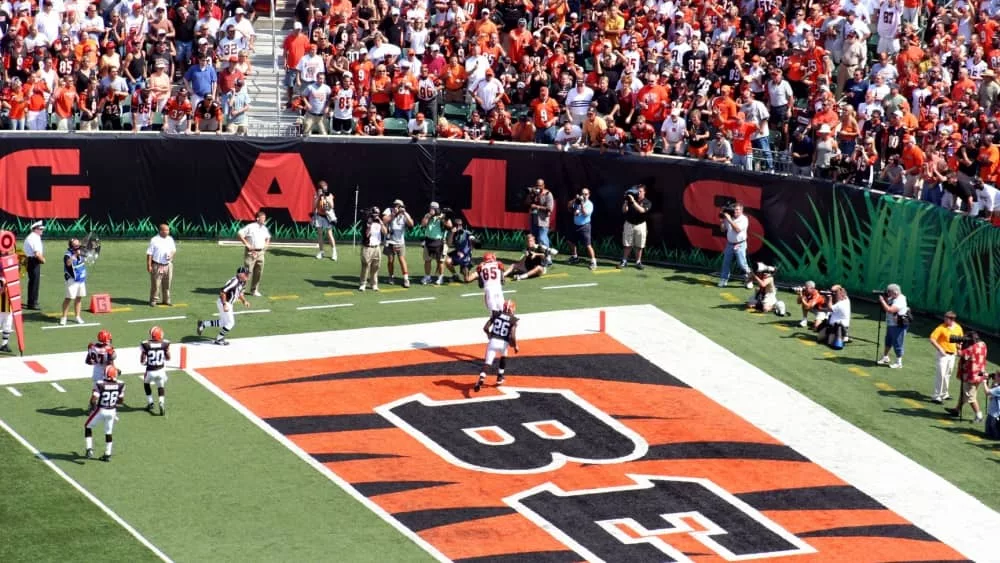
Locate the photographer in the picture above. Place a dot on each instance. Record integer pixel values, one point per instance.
(832, 331)
(735, 224)
(371, 246)
(812, 301)
(944, 339)
(897, 321)
(324, 218)
(435, 225)
(582, 209)
(765, 297)
(972, 373)
(397, 220)
(541, 203)
(460, 242)
(993, 407)
(532, 264)
(635, 207)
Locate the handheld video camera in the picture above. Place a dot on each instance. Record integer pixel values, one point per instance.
(632, 191)
(765, 270)
(728, 208)
(962, 340)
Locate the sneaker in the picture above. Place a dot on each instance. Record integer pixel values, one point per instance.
(937, 400)
(163, 409)
(319, 256)
(979, 418)
(639, 266)
(62, 321)
(406, 282)
(722, 283)
(500, 380)
(89, 454)
(201, 328)
(593, 265)
(545, 270)
(362, 287)
(374, 288)
(946, 397)
(478, 385)
(256, 293)
(749, 285)
(622, 264)
(221, 342)
(883, 361)
(896, 365)
(79, 321)
(390, 280)
(439, 281)
(425, 280)
(574, 259)
(804, 323)
(334, 256)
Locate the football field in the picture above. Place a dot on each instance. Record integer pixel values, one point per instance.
(338, 421)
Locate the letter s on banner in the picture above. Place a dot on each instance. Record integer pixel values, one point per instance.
(64, 201)
(700, 201)
(289, 174)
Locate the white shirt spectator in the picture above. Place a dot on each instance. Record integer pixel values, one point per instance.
(375, 234)
(343, 104)
(161, 249)
(880, 92)
(317, 96)
(137, 25)
(578, 102)
(731, 235)
(988, 199)
(489, 91)
(779, 94)
(231, 47)
(310, 66)
(243, 27)
(677, 52)
(414, 65)
(866, 110)
(840, 313)
(211, 23)
(674, 130)
(564, 139)
(475, 67)
(889, 19)
(48, 22)
(33, 245)
(95, 25)
(416, 128)
(756, 112)
(418, 40)
(378, 53)
(256, 234)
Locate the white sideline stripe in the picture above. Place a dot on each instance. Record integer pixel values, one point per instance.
(324, 470)
(331, 306)
(69, 325)
(480, 293)
(272, 245)
(58, 387)
(14, 392)
(157, 319)
(387, 302)
(591, 284)
(114, 516)
(247, 312)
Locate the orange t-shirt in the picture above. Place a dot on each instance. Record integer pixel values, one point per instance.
(379, 93)
(988, 168)
(36, 98)
(295, 47)
(362, 71)
(741, 136)
(544, 111)
(727, 109)
(655, 98)
(65, 100)
(454, 77)
(405, 97)
(912, 157)
(518, 41)
(18, 103)
(796, 71)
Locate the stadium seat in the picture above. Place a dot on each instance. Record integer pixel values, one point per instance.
(458, 111)
(431, 128)
(395, 127)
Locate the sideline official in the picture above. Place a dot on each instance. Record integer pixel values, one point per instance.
(35, 256)
(946, 349)
(583, 210)
(256, 238)
(160, 265)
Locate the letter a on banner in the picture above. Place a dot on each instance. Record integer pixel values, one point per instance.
(11, 294)
(289, 175)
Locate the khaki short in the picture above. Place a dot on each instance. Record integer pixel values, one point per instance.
(970, 390)
(634, 235)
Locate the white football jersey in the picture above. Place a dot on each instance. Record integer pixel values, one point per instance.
(343, 104)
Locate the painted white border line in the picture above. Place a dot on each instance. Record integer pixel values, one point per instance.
(272, 245)
(324, 470)
(330, 306)
(591, 284)
(58, 387)
(481, 293)
(387, 302)
(247, 312)
(114, 516)
(156, 319)
(67, 325)
(14, 392)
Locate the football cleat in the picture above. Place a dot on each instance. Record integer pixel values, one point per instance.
(104, 337)
(478, 385)
(149, 408)
(509, 307)
(89, 454)
(5, 348)
(111, 372)
(163, 409)
(221, 342)
(106, 457)
(201, 328)
(500, 380)
(156, 334)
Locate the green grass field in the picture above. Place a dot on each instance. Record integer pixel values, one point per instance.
(205, 484)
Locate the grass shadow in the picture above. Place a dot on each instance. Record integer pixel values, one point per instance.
(70, 412)
(72, 457)
(129, 301)
(738, 306)
(907, 394)
(921, 413)
(305, 252)
(340, 282)
(206, 290)
(968, 430)
(690, 280)
(188, 339)
(447, 353)
(847, 360)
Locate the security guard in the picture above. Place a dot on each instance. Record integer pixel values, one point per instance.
(256, 238)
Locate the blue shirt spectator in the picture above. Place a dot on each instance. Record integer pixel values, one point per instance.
(201, 79)
(586, 210)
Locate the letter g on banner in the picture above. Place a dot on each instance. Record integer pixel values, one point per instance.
(701, 201)
(294, 188)
(63, 201)
(521, 431)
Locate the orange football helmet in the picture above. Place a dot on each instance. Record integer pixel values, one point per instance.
(104, 337)
(156, 334)
(111, 372)
(509, 307)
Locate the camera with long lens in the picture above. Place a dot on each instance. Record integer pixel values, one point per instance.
(728, 208)
(373, 214)
(765, 270)
(632, 191)
(963, 340)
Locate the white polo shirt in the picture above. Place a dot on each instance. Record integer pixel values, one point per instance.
(161, 249)
(732, 236)
(257, 235)
(33, 245)
(674, 130)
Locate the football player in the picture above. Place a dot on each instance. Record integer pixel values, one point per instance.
(502, 332)
(6, 317)
(490, 275)
(231, 292)
(108, 393)
(154, 354)
(101, 354)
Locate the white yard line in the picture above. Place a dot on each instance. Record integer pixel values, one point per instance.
(70, 325)
(153, 319)
(114, 516)
(247, 312)
(58, 387)
(572, 285)
(14, 392)
(390, 301)
(273, 244)
(311, 461)
(330, 306)
(480, 293)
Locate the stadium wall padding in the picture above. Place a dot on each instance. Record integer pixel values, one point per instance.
(122, 185)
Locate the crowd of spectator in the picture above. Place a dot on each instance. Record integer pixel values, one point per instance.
(897, 92)
(125, 64)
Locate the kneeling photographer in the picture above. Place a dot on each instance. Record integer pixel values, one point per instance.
(436, 223)
(832, 330)
(765, 297)
(460, 243)
(532, 264)
(971, 371)
(812, 301)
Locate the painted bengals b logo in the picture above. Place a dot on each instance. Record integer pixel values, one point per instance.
(597, 456)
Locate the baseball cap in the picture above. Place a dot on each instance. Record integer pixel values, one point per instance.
(240, 82)
(404, 63)
(435, 47)
(435, 205)
(233, 59)
(897, 113)
(38, 225)
(203, 41)
(394, 11)
(161, 64)
(398, 202)
(297, 25)
(240, 11)
(521, 85)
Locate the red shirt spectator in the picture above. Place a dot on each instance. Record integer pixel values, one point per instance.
(645, 137)
(973, 366)
(742, 131)
(545, 110)
(404, 92)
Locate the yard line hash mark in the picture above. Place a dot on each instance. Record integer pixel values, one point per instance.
(151, 319)
(74, 325)
(58, 387)
(331, 306)
(387, 302)
(14, 392)
(572, 285)
(247, 312)
(479, 293)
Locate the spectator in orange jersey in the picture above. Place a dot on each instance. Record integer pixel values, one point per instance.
(446, 130)
(15, 101)
(454, 78)
(64, 103)
(545, 113)
(742, 132)
(370, 124)
(912, 159)
(404, 93)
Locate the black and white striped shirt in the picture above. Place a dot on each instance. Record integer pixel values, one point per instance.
(233, 289)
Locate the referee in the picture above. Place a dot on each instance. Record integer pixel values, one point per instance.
(256, 238)
(35, 256)
(229, 294)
